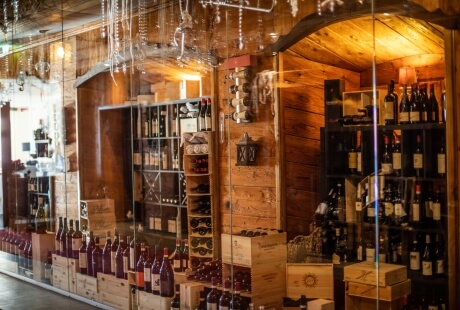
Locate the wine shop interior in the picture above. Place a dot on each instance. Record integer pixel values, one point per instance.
(210, 154)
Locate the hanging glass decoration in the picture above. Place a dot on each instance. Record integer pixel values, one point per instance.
(103, 30)
(240, 26)
(42, 66)
(16, 10)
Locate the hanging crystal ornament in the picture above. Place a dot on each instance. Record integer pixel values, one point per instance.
(16, 10)
(103, 30)
(217, 18)
(141, 36)
(116, 51)
(21, 78)
(323, 5)
(260, 31)
(42, 66)
(5, 18)
(240, 26)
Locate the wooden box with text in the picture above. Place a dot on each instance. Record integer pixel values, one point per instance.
(388, 293)
(149, 301)
(360, 303)
(312, 280)
(190, 294)
(366, 273)
(249, 251)
(97, 207)
(113, 292)
(87, 286)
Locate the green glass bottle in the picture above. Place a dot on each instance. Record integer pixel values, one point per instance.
(40, 218)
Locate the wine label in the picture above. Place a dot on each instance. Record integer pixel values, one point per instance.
(370, 211)
(359, 253)
(439, 266)
(382, 258)
(223, 308)
(335, 259)
(113, 260)
(427, 268)
(387, 168)
(414, 117)
(211, 306)
(151, 222)
(208, 123)
(131, 259)
(441, 163)
(389, 208)
(146, 158)
(352, 160)
(125, 264)
(415, 212)
(403, 117)
(147, 275)
(424, 116)
(389, 111)
(140, 278)
(184, 263)
(76, 244)
(82, 260)
(359, 205)
(396, 161)
(418, 161)
(155, 282)
(137, 158)
(146, 128)
(370, 255)
(414, 263)
(57, 245)
(436, 207)
(433, 307)
(177, 264)
(359, 163)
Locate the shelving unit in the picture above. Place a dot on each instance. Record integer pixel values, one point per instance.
(203, 213)
(336, 143)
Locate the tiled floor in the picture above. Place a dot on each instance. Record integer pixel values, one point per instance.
(17, 294)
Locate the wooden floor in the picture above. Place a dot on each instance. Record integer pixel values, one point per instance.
(17, 294)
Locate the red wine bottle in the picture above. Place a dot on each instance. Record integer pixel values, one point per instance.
(212, 299)
(106, 255)
(140, 269)
(404, 107)
(418, 157)
(57, 242)
(69, 235)
(434, 107)
(96, 258)
(76, 240)
(414, 256)
(236, 303)
(113, 252)
(427, 258)
(396, 156)
(147, 269)
(185, 256)
(177, 257)
(119, 258)
(387, 163)
(82, 261)
(63, 239)
(155, 271)
(166, 276)
(224, 300)
(391, 106)
(89, 254)
(126, 257)
(414, 113)
(175, 302)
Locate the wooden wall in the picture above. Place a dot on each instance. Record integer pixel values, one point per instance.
(302, 110)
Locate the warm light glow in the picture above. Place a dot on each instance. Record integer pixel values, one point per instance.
(60, 51)
(407, 76)
(190, 77)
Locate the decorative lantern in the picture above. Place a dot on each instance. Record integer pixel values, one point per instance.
(246, 150)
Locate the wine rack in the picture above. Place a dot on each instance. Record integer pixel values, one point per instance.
(397, 230)
(203, 213)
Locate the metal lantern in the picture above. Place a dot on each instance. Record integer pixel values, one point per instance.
(246, 150)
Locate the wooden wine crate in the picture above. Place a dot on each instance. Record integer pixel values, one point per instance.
(366, 273)
(320, 304)
(63, 281)
(87, 286)
(69, 263)
(149, 301)
(97, 207)
(310, 279)
(388, 293)
(115, 301)
(359, 303)
(110, 284)
(100, 224)
(190, 294)
(41, 244)
(250, 251)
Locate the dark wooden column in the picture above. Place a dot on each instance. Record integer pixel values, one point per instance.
(6, 158)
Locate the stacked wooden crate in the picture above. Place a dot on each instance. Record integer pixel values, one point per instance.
(265, 258)
(87, 287)
(98, 216)
(41, 244)
(369, 284)
(149, 301)
(113, 292)
(65, 272)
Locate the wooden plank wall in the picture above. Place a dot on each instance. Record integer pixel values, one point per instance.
(302, 107)
(250, 191)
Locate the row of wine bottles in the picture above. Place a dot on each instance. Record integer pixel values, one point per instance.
(154, 158)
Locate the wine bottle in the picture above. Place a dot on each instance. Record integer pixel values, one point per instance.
(337, 257)
(174, 123)
(76, 240)
(370, 249)
(246, 101)
(69, 235)
(63, 239)
(391, 106)
(387, 164)
(155, 271)
(175, 302)
(359, 157)
(428, 208)
(414, 112)
(208, 114)
(48, 267)
(113, 252)
(107, 254)
(415, 214)
(202, 305)
(443, 105)
(147, 269)
(126, 257)
(414, 256)
(147, 123)
(119, 262)
(134, 253)
(438, 257)
(359, 250)
(352, 157)
(224, 300)
(140, 268)
(177, 257)
(400, 217)
(418, 157)
(166, 276)
(434, 107)
(359, 204)
(212, 299)
(163, 121)
(154, 123)
(245, 88)
(185, 256)
(303, 302)
(427, 258)
(202, 115)
(425, 107)
(82, 260)
(57, 240)
(383, 253)
(441, 160)
(236, 302)
(404, 107)
(396, 156)
(241, 74)
(96, 258)
(340, 204)
(436, 207)
(89, 254)
(40, 218)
